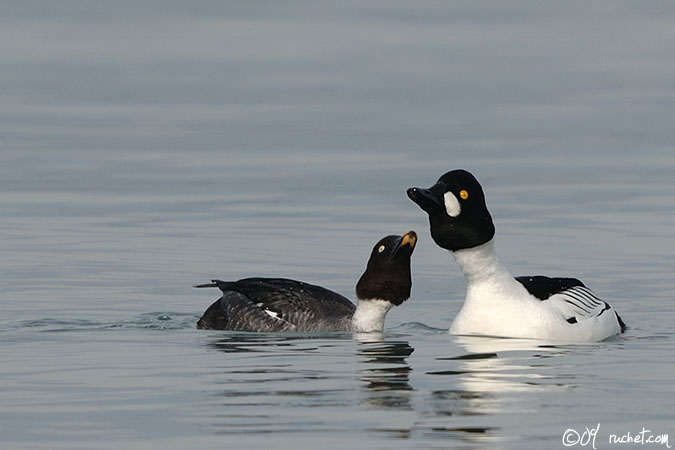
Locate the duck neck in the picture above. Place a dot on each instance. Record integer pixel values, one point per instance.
(480, 263)
(369, 315)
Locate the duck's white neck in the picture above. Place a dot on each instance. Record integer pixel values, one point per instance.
(480, 264)
(491, 293)
(369, 315)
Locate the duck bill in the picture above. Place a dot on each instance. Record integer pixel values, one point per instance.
(427, 199)
(406, 244)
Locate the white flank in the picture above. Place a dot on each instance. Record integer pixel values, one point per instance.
(496, 304)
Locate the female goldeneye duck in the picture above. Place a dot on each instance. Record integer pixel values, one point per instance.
(279, 304)
(496, 303)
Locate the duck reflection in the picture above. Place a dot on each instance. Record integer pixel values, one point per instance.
(509, 365)
(240, 342)
(485, 376)
(267, 383)
(386, 375)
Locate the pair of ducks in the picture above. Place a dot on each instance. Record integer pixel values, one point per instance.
(496, 303)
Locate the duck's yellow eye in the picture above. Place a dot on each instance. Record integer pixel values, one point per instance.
(381, 249)
(464, 194)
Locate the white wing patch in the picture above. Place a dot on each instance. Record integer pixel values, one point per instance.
(578, 303)
(269, 312)
(273, 314)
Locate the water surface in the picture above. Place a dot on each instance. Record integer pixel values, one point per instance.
(149, 147)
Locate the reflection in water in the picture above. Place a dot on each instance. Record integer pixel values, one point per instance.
(293, 377)
(387, 380)
(284, 374)
(499, 365)
(470, 388)
(486, 377)
(237, 342)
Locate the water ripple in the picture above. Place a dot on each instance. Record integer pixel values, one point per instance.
(151, 320)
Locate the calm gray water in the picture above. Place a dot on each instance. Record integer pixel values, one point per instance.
(146, 147)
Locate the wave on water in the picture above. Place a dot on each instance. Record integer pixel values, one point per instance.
(150, 320)
(183, 321)
(418, 327)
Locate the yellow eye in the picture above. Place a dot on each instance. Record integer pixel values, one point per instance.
(464, 194)
(381, 249)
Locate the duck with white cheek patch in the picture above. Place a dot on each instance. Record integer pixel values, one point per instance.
(496, 303)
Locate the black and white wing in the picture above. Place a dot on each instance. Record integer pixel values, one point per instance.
(276, 304)
(574, 300)
(544, 287)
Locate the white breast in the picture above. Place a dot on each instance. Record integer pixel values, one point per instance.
(496, 304)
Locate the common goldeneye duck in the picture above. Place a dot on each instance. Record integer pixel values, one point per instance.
(496, 303)
(280, 304)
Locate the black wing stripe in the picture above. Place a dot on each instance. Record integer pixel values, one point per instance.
(587, 293)
(580, 299)
(577, 306)
(605, 308)
(582, 295)
(587, 296)
(596, 302)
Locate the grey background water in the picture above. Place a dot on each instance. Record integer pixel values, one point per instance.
(149, 146)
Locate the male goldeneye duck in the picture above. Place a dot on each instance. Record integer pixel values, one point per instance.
(279, 304)
(497, 304)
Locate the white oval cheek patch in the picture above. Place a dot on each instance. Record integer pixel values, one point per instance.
(452, 205)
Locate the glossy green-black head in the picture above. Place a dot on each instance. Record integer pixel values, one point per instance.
(387, 275)
(458, 215)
